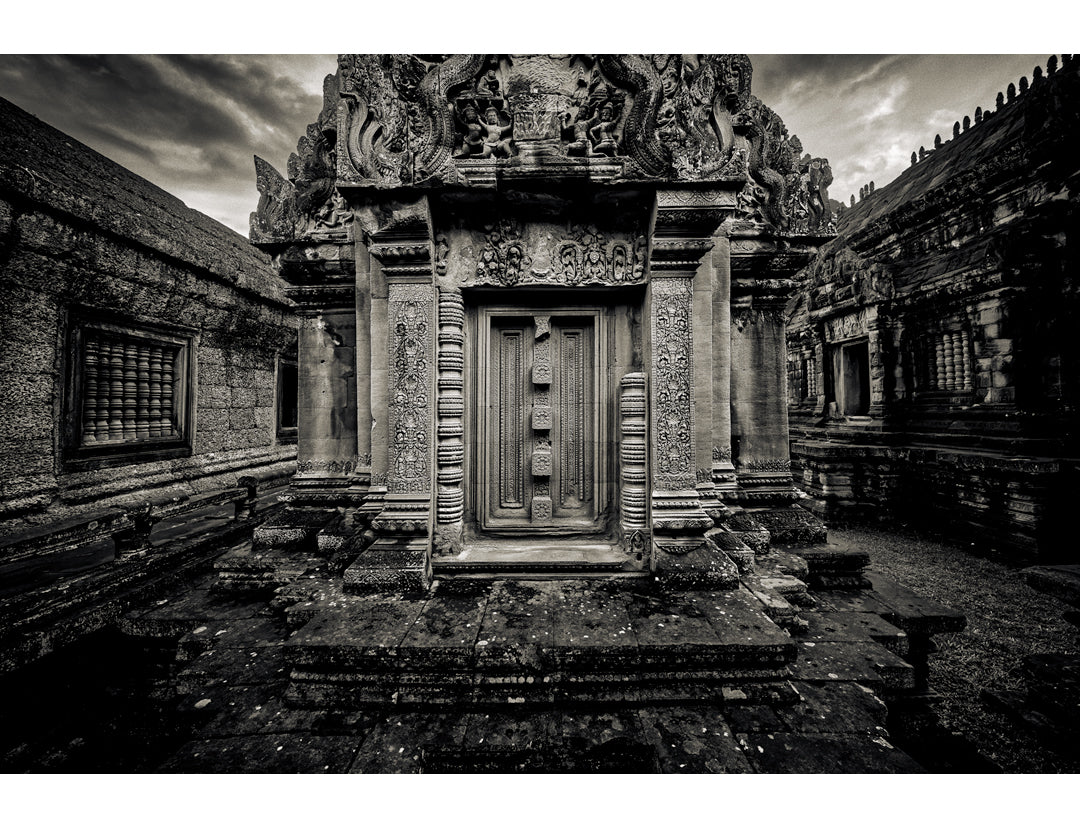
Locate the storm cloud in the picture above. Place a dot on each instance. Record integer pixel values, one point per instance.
(191, 123)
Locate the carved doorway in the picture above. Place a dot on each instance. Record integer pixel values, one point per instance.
(541, 451)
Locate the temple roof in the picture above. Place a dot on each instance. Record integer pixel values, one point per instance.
(52, 169)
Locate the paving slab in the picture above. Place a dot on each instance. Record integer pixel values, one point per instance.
(245, 632)
(592, 629)
(265, 753)
(754, 718)
(846, 600)
(396, 744)
(865, 662)
(231, 710)
(517, 632)
(363, 631)
(911, 612)
(692, 740)
(835, 707)
(444, 634)
(854, 626)
(174, 616)
(825, 753)
(233, 666)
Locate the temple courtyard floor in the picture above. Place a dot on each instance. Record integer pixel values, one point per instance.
(566, 676)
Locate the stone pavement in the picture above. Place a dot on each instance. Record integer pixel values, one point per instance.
(237, 690)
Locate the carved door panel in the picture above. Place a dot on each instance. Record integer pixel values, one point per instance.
(540, 453)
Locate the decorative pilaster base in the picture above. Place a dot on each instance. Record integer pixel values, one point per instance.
(399, 560)
(683, 557)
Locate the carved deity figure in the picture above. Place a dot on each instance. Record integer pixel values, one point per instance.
(595, 265)
(496, 136)
(473, 132)
(579, 127)
(603, 134)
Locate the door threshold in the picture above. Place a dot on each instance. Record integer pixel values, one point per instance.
(547, 555)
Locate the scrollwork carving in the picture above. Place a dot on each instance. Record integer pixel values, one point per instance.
(673, 426)
(410, 309)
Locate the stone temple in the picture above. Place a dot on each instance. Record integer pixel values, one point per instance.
(542, 304)
(479, 459)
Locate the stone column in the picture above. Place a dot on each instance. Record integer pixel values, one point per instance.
(323, 286)
(370, 502)
(723, 471)
(403, 393)
(682, 554)
(762, 270)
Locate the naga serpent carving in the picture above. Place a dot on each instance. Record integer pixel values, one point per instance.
(638, 73)
(744, 123)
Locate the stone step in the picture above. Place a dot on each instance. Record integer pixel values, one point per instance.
(535, 641)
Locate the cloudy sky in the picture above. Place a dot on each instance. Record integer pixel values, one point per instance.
(191, 124)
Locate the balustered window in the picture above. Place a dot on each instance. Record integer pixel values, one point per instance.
(951, 366)
(129, 392)
(810, 373)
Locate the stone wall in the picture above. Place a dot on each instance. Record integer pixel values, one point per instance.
(85, 242)
(959, 280)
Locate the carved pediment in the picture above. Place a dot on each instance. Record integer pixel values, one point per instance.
(399, 121)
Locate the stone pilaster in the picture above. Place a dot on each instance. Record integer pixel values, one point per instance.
(682, 554)
(403, 400)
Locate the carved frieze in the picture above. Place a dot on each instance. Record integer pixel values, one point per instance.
(580, 257)
(847, 326)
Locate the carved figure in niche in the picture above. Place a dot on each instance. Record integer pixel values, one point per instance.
(595, 264)
(488, 85)
(488, 268)
(667, 126)
(603, 134)
(334, 214)
(515, 262)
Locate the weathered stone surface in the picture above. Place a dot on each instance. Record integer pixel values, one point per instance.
(865, 662)
(397, 743)
(855, 626)
(692, 740)
(825, 753)
(911, 612)
(266, 753)
(792, 527)
(845, 707)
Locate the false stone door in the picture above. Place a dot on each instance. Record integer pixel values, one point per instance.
(539, 452)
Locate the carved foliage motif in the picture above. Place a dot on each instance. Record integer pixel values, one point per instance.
(410, 308)
(673, 426)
